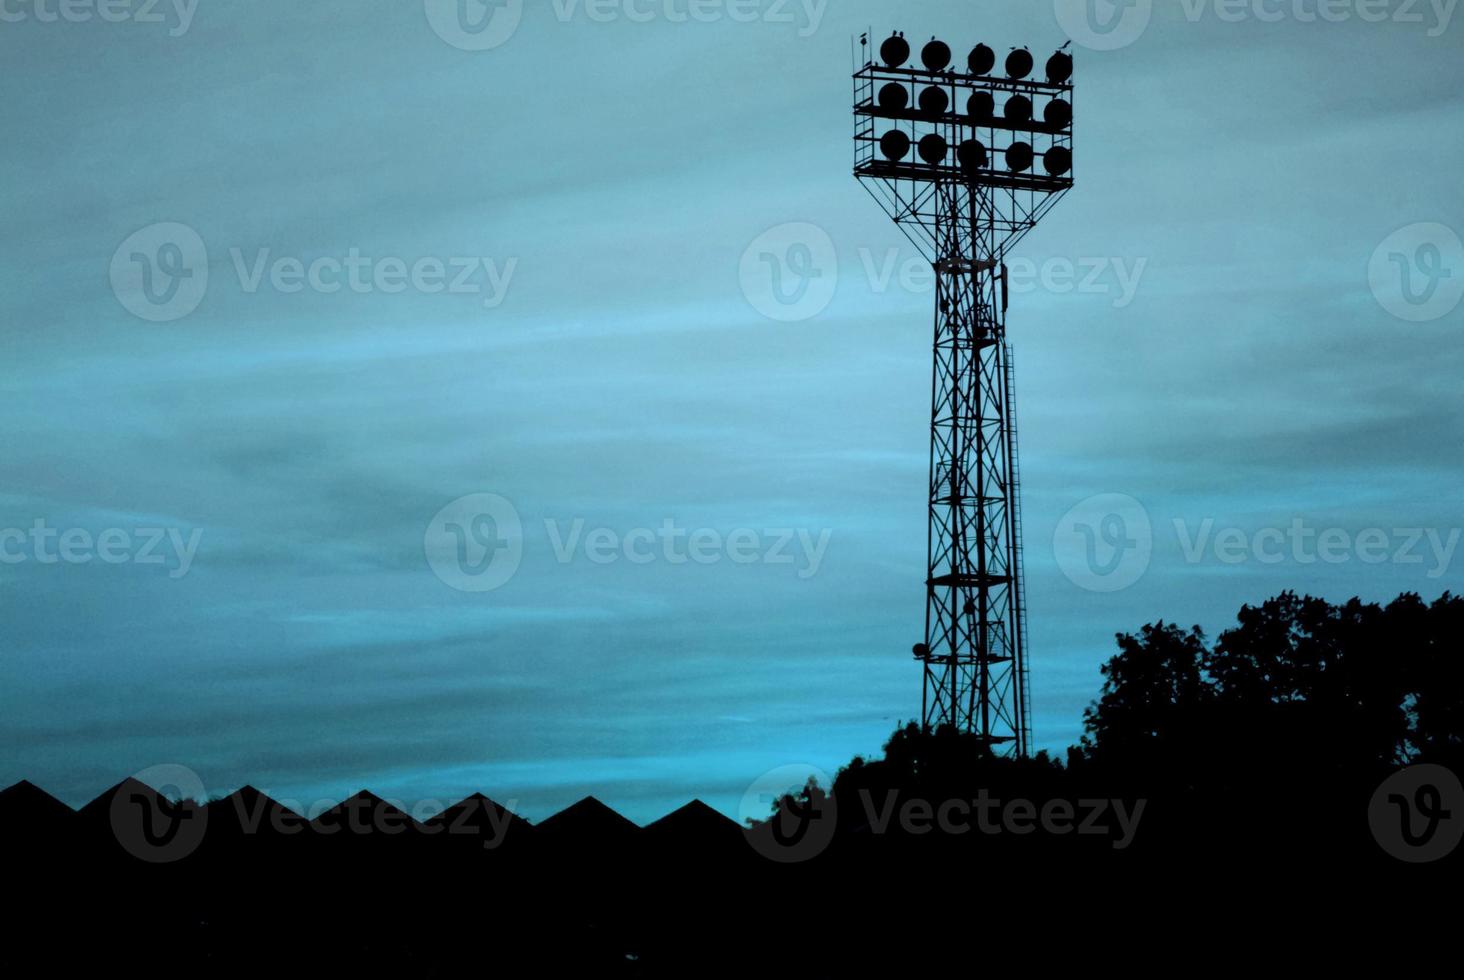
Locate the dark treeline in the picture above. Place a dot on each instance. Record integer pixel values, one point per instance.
(1301, 697)
(1220, 797)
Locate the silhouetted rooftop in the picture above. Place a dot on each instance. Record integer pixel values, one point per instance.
(588, 820)
(694, 819)
(366, 809)
(25, 803)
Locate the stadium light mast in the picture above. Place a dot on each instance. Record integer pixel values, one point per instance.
(925, 142)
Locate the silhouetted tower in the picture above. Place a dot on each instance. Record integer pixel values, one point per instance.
(925, 148)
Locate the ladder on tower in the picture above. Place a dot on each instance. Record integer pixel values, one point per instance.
(865, 141)
(1019, 578)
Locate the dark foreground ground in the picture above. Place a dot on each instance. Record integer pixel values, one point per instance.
(1289, 878)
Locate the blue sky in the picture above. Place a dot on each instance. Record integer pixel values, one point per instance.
(1206, 331)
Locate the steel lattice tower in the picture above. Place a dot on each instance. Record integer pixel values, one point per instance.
(965, 215)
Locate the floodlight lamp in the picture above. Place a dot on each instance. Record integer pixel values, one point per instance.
(981, 105)
(1058, 114)
(933, 149)
(934, 101)
(1019, 63)
(1059, 67)
(936, 56)
(1058, 160)
(895, 51)
(895, 145)
(1018, 109)
(981, 60)
(1019, 157)
(894, 97)
(972, 155)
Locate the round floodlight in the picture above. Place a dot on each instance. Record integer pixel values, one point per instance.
(933, 149)
(895, 51)
(981, 105)
(1058, 160)
(895, 145)
(894, 97)
(981, 60)
(920, 650)
(1019, 157)
(934, 101)
(1059, 68)
(1058, 114)
(1018, 109)
(972, 154)
(936, 56)
(1019, 63)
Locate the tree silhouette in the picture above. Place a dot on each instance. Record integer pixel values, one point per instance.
(1341, 690)
(1435, 703)
(1155, 700)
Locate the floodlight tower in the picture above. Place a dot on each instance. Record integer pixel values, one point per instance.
(925, 147)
